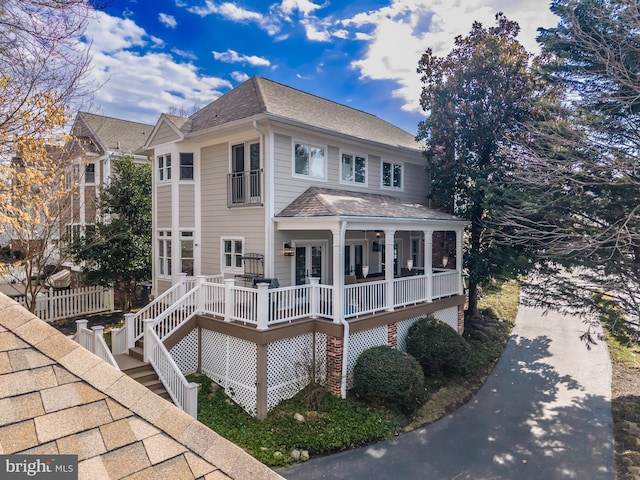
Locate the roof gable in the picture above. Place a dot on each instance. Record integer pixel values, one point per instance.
(260, 96)
(112, 134)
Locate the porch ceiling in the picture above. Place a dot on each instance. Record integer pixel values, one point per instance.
(320, 208)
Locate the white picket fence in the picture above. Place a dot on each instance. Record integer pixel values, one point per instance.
(54, 305)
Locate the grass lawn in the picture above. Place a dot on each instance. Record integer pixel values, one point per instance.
(327, 424)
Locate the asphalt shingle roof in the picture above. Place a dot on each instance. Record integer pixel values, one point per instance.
(111, 133)
(58, 398)
(327, 202)
(259, 95)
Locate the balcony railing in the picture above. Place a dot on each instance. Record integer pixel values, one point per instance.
(244, 189)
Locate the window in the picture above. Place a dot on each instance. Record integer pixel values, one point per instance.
(72, 232)
(245, 178)
(186, 166)
(90, 173)
(186, 253)
(310, 161)
(164, 253)
(392, 175)
(353, 169)
(164, 168)
(232, 249)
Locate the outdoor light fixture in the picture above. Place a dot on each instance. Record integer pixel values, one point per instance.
(365, 271)
(445, 260)
(288, 250)
(410, 264)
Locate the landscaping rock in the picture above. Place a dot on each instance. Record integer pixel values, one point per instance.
(299, 418)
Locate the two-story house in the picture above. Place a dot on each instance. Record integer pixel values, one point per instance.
(303, 229)
(95, 142)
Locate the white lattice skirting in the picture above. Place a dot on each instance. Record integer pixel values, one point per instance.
(291, 365)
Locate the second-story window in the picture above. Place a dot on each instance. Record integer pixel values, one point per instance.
(392, 175)
(90, 173)
(164, 168)
(186, 166)
(353, 169)
(310, 161)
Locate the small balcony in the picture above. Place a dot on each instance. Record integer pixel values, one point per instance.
(244, 189)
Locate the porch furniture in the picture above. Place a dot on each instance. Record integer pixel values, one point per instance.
(253, 266)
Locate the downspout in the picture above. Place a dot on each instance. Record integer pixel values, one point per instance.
(268, 195)
(343, 321)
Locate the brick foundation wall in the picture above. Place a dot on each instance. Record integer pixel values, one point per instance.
(460, 319)
(392, 335)
(335, 347)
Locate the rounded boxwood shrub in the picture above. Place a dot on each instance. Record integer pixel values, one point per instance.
(441, 351)
(386, 376)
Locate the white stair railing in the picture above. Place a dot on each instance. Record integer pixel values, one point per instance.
(93, 340)
(183, 393)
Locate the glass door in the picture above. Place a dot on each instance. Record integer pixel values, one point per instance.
(308, 262)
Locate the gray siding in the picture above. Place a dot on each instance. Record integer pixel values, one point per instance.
(288, 188)
(187, 206)
(219, 221)
(165, 134)
(163, 206)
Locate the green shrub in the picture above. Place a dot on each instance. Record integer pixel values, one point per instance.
(386, 376)
(439, 349)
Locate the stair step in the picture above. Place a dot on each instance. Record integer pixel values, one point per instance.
(136, 352)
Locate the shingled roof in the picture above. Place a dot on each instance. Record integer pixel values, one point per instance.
(259, 95)
(111, 134)
(58, 398)
(327, 202)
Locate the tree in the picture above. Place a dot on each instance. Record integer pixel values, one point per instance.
(580, 162)
(42, 68)
(474, 97)
(117, 253)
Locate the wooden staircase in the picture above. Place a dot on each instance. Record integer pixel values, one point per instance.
(133, 365)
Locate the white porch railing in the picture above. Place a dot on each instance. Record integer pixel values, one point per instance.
(364, 298)
(93, 340)
(54, 305)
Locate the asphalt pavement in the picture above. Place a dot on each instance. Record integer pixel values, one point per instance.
(544, 413)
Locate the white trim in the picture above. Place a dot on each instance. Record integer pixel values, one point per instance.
(355, 155)
(393, 164)
(231, 269)
(197, 205)
(308, 143)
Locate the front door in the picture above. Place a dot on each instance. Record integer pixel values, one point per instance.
(353, 259)
(309, 262)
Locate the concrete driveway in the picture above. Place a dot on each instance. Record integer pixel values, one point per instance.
(544, 413)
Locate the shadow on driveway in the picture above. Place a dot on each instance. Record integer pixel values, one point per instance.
(544, 413)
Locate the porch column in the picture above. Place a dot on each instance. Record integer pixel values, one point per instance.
(428, 262)
(338, 274)
(459, 241)
(389, 268)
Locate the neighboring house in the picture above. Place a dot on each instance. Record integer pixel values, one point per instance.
(56, 398)
(327, 203)
(96, 141)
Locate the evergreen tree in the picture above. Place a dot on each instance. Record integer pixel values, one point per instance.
(117, 252)
(474, 97)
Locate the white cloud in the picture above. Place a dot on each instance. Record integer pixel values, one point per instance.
(239, 77)
(231, 56)
(140, 86)
(228, 10)
(305, 7)
(313, 33)
(110, 34)
(416, 25)
(168, 21)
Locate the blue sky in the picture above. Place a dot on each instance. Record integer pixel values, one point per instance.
(152, 56)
